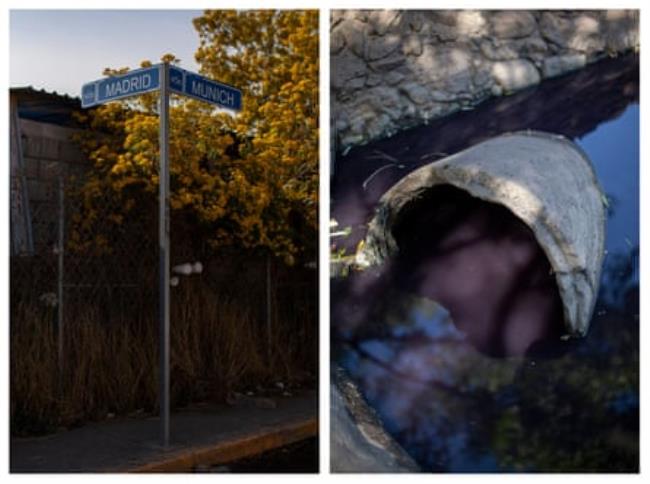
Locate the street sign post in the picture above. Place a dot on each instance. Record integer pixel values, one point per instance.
(163, 251)
(167, 79)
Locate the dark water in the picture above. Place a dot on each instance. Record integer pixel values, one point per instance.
(569, 406)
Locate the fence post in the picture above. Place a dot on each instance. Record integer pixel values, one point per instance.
(268, 308)
(60, 275)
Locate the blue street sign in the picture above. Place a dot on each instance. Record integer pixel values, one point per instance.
(204, 89)
(119, 87)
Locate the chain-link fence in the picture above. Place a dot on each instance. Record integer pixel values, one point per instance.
(84, 314)
(74, 266)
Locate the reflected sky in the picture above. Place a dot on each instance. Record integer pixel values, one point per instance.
(613, 148)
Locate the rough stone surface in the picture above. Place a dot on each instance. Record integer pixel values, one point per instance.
(349, 68)
(337, 42)
(356, 37)
(393, 77)
(556, 28)
(359, 442)
(515, 74)
(546, 181)
(513, 25)
(412, 45)
(461, 57)
(389, 63)
(495, 49)
(382, 20)
(379, 50)
(416, 93)
(621, 29)
(561, 64)
(586, 36)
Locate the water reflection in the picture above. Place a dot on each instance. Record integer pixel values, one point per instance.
(563, 406)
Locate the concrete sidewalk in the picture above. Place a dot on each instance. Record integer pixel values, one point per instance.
(207, 436)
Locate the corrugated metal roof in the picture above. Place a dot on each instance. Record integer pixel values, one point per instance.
(46, 107)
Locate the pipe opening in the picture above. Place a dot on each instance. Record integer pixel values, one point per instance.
(485, 266)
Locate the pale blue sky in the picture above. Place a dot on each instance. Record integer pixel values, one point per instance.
(59, 50)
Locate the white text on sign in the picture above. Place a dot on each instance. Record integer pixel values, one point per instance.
(134, 84)
(213, 93)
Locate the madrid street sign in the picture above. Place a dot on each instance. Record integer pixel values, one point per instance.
(165, 78)
(119, 87)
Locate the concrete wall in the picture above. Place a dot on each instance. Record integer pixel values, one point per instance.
(392, 70)
(48, 152)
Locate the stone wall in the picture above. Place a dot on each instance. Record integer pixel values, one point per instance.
(392, 70)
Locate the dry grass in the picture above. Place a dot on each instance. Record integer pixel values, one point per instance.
(218, 344)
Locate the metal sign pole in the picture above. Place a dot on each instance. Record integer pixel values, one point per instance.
(60, 280)
(163, 241)
(268, 309)
(168, 79)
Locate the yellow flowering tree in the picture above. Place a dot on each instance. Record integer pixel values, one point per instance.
(248, 180)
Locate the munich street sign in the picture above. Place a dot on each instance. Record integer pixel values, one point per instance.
(204, 89)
